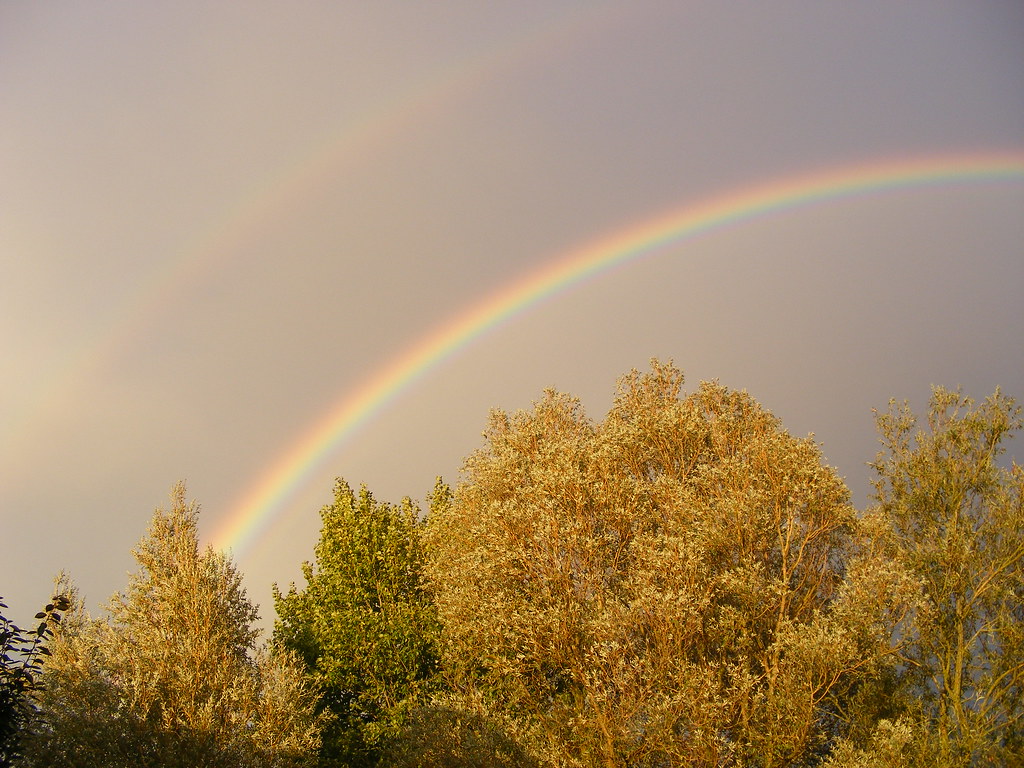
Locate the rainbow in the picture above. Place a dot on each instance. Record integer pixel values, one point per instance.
(257, 508)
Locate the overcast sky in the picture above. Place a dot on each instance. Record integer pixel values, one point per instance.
(219, 219)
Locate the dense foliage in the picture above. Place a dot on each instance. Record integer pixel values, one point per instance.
(682, 583)
(169, 678)
(363, 625)
(678, 585)
(954, 518)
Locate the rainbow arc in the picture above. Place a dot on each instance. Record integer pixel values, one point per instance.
(254, 512)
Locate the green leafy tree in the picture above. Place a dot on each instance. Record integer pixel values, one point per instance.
(172, 677)
(955, 519)
(22, 653)
(682, 584)
(363, 624)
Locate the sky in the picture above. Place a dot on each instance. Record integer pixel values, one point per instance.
(255, 248)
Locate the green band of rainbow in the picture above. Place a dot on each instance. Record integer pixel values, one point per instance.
(255, 511)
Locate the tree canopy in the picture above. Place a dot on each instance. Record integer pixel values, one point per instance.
(363, 624)
(681, 583)
(955, 519)
(171, 677)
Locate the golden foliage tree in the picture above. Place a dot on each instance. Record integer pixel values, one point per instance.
(954, 516)
(172, 677)
(681, 584)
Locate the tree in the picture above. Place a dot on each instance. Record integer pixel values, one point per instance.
(172, 677)
(683, 583)
(955, 516)
(363, 624)
(448, 734)
(22, 652)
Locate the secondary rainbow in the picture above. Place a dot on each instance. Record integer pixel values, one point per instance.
(213, 247)
(255, 511)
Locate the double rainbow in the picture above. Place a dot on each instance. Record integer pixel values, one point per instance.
(254, 512)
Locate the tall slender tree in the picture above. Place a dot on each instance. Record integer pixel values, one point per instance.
(954, 508)
(172, 677)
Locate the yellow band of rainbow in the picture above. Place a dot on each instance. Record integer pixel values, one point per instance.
(252, 514)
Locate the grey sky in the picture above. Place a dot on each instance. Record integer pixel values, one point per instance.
(215, 222)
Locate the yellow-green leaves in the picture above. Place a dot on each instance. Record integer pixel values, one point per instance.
(363, 623)
(653, 589)
(170, 678)
(955, 520)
